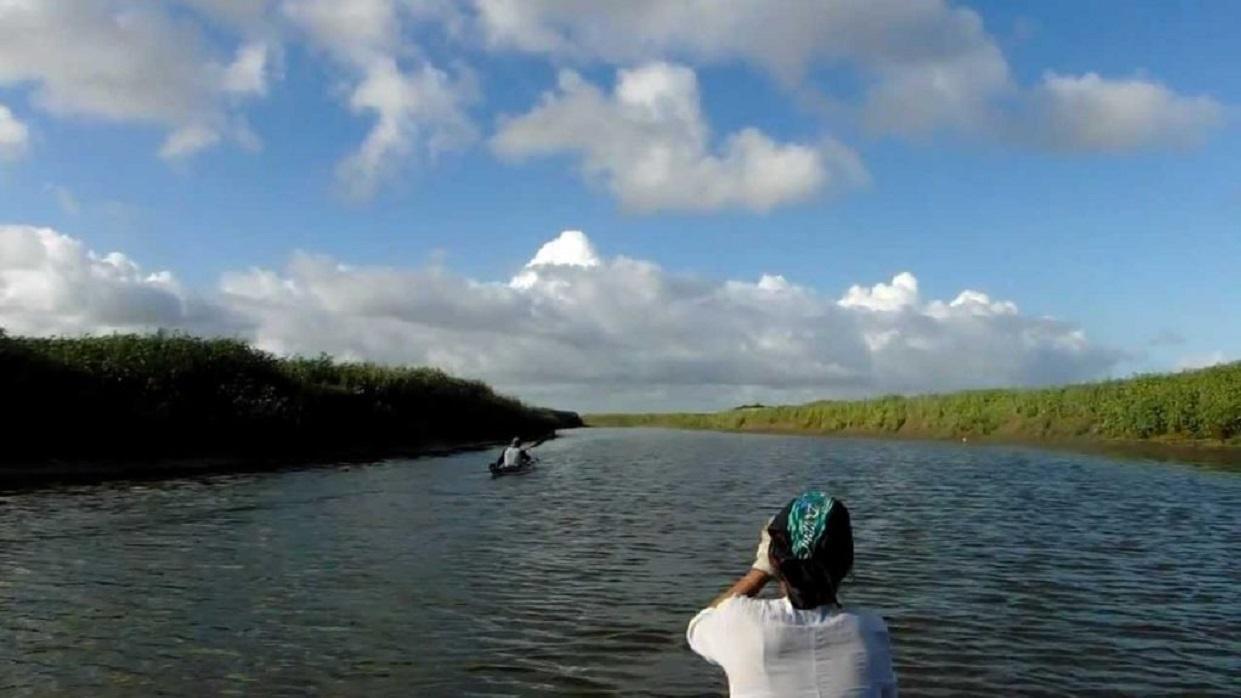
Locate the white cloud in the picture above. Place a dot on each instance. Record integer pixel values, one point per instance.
(972, 303)
(14, 135)
(924, 65)
(355, 32)
(958, 92)
(190, 67)
(784, 38)
(650, 145)
(423, 109)
(570, 249)
(571, 328)
(187, 141)
(420, 110)
(900, 294)
(52, 284)
(121, 61)
(1092, 113)
(247, 74)
(600, 332)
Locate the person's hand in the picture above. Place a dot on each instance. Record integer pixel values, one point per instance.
(762, 561)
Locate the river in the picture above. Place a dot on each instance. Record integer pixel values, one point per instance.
(1000, 570)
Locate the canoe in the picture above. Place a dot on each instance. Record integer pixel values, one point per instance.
(499, 471)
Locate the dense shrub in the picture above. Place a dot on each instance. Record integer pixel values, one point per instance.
(171, 394)
(1200, 405)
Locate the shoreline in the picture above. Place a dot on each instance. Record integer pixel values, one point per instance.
(1223, 455)
(112, 468)
(1192, 416)
(94, 408)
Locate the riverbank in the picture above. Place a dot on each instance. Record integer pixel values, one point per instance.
(141, 404)
(21, 476)
(1195, 414)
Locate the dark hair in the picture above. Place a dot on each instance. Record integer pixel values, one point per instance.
(812, 579)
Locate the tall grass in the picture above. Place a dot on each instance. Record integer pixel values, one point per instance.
(176, 395)
(1202, 405)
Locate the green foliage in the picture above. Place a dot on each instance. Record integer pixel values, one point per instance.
(1192, 405)
(171, 394)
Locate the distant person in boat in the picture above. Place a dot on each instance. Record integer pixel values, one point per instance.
(803, 643)
(514, 456)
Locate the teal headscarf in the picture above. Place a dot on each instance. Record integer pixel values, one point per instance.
(807, 520)
(812, 548)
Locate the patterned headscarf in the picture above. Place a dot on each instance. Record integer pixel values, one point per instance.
(807, 519)
(812, 548)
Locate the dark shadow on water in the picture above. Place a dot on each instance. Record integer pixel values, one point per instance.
(81, 472)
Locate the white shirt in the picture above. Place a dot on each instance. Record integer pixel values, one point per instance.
(768, 648)
(512, 456)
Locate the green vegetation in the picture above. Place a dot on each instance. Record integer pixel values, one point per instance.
(161, 396)
(1201, 406)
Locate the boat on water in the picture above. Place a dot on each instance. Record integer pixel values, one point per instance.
(498, 470)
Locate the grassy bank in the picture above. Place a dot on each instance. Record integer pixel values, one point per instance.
(1192, 407)
(173, 396)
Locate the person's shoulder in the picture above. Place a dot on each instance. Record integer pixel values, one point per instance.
(867, 618)
(712, 631)
(755, 606)
(742, 608)
(769, 612)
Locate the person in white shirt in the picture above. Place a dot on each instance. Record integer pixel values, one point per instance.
(804, 643)
(514, 455)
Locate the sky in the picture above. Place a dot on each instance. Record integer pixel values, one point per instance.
(635, 206)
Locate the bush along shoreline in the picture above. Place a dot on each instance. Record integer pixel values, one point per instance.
(1190, 408)
(151, 401)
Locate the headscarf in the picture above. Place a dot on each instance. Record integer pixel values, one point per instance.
(812, 548)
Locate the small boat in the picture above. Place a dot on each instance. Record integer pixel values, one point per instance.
(498, 470)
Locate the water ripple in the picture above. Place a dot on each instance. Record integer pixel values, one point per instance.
(1000, 571)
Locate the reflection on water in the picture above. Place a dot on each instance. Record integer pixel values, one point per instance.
(1000, 570)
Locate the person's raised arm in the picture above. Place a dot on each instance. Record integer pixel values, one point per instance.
(750, 584)
(761, 572)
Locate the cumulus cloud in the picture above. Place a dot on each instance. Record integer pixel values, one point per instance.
(1091, 113)
(52, 284)
(190, 67)
(355, 32)
(901, 293)
(127, 62)
(785, 39)
(572, 327)
(14, 135)
(418, 108)
(650, 145)
(617, 331)
(570, 249)
(248, 72)
(924, 65)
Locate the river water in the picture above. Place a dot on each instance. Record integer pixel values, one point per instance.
(1001, 571)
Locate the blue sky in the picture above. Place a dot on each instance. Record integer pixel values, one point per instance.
(1022, 194)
